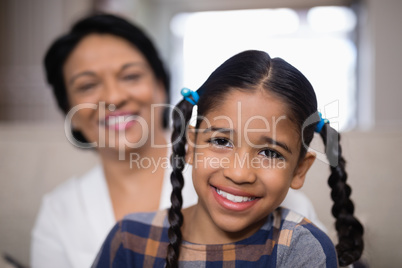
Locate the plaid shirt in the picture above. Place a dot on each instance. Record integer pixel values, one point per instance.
(285, 240)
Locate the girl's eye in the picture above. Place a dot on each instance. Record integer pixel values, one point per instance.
(221, 142)
(272, 154)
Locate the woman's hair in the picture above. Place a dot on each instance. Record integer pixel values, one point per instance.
(63, 46)
(249, 71)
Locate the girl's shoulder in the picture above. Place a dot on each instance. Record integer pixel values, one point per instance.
(289, 223)
(284, 218)
(155, 218)
(136, 239)
(296, 235)
(143, 223)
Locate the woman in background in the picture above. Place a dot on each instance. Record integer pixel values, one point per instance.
(109, 80)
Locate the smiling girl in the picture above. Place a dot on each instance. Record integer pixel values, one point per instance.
(248, 147)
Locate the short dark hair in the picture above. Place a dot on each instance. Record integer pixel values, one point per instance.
(62, 47)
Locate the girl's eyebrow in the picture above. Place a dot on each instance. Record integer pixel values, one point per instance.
(219, 129)
(275, 142)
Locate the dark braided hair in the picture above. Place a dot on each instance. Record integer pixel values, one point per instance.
(250, 71)
(349, 229)
(178, 162)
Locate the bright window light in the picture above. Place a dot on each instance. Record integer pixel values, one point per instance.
(203, 40)
(331, 19)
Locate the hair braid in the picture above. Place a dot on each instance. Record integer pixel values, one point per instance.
(180, 118)
(349, 229)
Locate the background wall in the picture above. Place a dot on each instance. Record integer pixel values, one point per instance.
(36, 155)
(26, 30)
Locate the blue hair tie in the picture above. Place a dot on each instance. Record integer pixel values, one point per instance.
(320, 123)
(186, 93)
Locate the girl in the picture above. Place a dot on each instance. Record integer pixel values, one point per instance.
(247, 148)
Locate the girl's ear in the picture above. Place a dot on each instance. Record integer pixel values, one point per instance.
(301, 170)
(190, 145)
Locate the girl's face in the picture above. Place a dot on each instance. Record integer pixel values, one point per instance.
(245, 156)
(111, 89)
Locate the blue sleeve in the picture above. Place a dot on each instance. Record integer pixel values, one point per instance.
(110, 249)
(309, 247)
(328, 248)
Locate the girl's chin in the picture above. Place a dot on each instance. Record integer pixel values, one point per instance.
(232, 233)
(238, 228)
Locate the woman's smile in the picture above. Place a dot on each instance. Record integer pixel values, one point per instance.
(119, 120)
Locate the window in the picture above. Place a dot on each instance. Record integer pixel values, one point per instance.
(317, 41)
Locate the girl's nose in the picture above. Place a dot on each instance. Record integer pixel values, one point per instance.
(240, 170)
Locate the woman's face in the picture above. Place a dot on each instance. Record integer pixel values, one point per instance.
(111, 90)
(245, 158)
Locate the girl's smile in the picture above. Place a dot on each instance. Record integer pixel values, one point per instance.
(234, 201)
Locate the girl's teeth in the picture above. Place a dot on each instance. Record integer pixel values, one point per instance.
(234, 198)
(238, 199)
